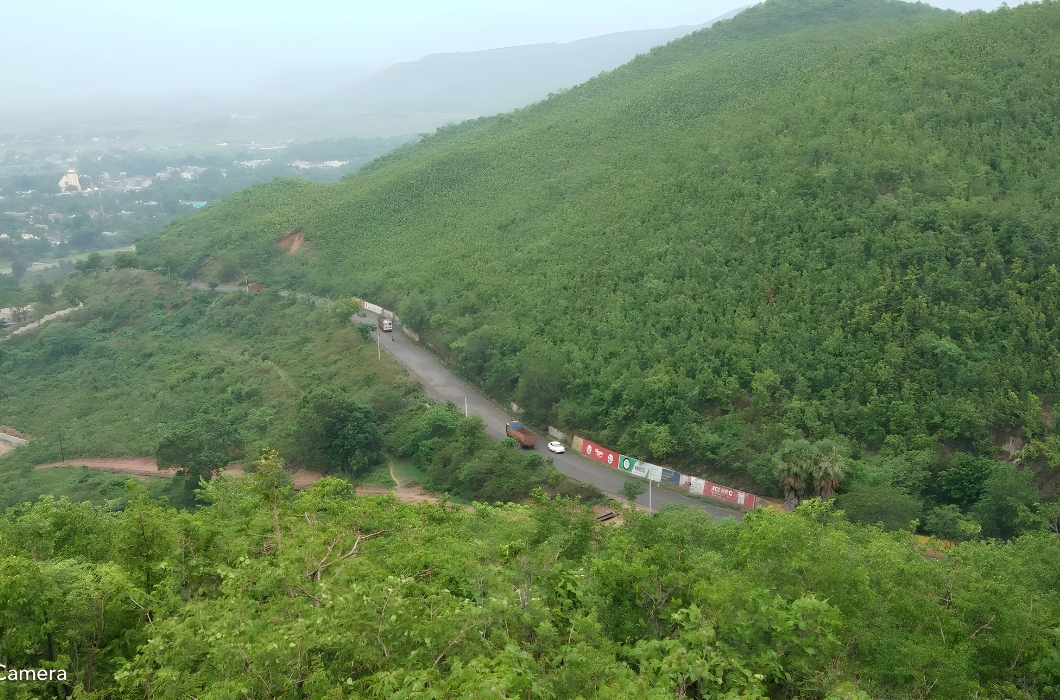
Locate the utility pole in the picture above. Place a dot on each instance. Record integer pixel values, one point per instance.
(62, 453)
(378, 350)
(649, 495)
(465, 407)
(248, 283)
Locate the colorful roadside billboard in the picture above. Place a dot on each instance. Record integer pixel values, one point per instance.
(669, 476)
(600, 454)
(728, 495)
(654, 472)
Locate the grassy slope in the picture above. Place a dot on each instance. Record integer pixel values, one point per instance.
(81, 484)
(144, 354)
(886, 170)
(145, 357)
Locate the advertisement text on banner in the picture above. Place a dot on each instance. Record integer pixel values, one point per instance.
(600, 454)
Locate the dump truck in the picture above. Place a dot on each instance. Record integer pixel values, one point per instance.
(385, 324)
(525, 436)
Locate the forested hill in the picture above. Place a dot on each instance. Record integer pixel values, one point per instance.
(817, 219)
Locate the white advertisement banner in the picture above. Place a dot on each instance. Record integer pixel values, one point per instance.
(696, 486)
(374, 308)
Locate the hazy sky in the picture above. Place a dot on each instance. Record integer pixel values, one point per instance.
(57, 50)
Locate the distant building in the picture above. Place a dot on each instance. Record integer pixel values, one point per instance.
(70, 183)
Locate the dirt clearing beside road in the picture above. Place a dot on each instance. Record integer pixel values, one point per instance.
(148, 466)
(134, 466)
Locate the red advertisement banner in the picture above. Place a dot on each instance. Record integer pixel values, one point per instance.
(734, 496)
(600, 454)
(696, 486)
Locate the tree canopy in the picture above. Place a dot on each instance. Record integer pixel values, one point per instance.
(816, 220)
(270, 594)
(334, 432)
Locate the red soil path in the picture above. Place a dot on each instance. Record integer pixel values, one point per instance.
(144, 467)
(148, 466)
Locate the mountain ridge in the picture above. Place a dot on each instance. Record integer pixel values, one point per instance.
(474, 83)
(762, 231)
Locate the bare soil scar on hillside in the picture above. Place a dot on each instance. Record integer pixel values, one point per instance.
(292, 241)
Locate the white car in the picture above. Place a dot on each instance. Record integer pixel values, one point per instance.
(556, 447)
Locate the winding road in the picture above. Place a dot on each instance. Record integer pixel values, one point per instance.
(443, 386)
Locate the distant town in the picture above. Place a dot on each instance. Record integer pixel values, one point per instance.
(63, 196)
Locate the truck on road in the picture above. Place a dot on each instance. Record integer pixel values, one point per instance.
(385, 324)
(525, 436)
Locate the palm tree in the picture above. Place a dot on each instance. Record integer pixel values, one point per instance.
(828, 468)
(804, 468)
(795, 460)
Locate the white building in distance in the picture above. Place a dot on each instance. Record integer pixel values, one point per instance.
(70, 183)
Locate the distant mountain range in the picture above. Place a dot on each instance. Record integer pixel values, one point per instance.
(454, 86)
(402, 99)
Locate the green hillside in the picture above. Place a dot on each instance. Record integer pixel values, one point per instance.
(200, 379)
(817, 219)
(267, 594)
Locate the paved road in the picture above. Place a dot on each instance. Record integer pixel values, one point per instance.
(443, 386)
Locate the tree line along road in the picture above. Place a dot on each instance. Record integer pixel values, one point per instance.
(443, 386)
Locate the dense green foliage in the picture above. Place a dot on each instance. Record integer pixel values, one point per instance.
(819, 220)
(458, 457)
(814, 247)
(334, 431)
(146, 362)
(267, 594)
(75, 483)
(199, 380)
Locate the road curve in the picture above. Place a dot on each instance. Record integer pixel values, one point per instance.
(443, 386)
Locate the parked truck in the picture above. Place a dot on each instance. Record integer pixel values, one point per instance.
(385, 324)
(525, 436)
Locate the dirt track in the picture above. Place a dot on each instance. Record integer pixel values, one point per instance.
(42, 321)
(147, 466)
(136, 466)
(405, 494)
(144, 467)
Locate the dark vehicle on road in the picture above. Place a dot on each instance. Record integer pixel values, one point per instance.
(525, 436)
